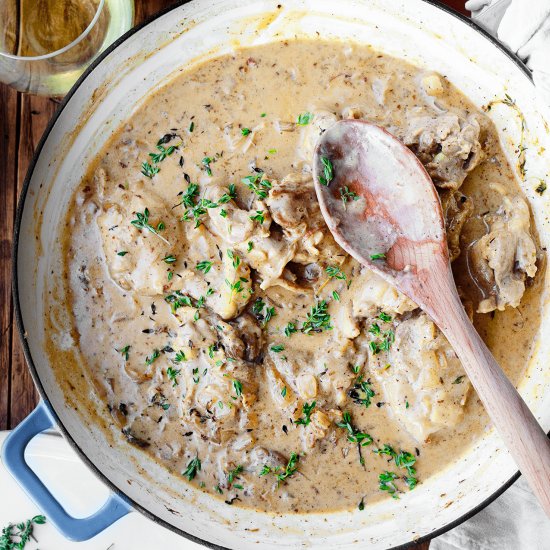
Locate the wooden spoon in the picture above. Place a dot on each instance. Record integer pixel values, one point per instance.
(395, 227)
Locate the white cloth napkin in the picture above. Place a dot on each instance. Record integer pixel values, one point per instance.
(524, 27)
(514, 521)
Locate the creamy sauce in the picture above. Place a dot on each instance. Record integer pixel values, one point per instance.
(210, 328)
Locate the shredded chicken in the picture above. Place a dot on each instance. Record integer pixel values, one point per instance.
(457, 209)
(422, 377)
(504, 258)
(449, 146)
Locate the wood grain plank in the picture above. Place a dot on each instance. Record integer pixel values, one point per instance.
(147, 8)
(8, 161)
(34, 113)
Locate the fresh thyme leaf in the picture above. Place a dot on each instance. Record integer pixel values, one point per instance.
(163, 153)
(142, 222)
(125, 351)
(375, 329)
(458, 379)
(307, 409)
(149, 360)
(304, 119)
(380, 256)
(149, 170)
(188, 197)
(170, 259)
(362, 393)
(317, 319)
(211, 349)
(347, 195)
(328, 171)
(386, 483)
(236, 259)
(384, 338)
(24, 533)
(263, 115)
(226, 197)
(258, 306)
(290, 329)
(232, 475)
(335, 295)
(257, 184)
(258, 217)
(282, 475)
(177, 300)
(122, 253)
(192, 468)
(238, 387)
(245, 131)
(354, 435)
(172, 375)
(180, 357)
(404, 460)
(206, 161)
(335, 272)
(361, 505)
(278, 348)
(283, 392)
(191, 126)
(205, 266)
(237, 286)
(258, 310)
(249, 246)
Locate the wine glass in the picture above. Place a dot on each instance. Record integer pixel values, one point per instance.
(45, 45)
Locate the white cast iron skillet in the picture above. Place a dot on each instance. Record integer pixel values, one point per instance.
(421, 32)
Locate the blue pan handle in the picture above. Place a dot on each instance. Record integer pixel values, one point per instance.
(76, 529)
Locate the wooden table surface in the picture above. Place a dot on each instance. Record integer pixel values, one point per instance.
(23, 119)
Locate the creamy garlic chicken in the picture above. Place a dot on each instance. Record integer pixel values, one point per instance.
(225, 330)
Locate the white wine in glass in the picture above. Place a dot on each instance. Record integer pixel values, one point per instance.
(45, 45)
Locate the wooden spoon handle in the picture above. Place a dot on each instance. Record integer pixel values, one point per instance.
(515, 423)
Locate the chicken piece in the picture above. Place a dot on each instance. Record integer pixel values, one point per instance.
(235, 287)
(251, 335)
(306, 385)
(242, 338)
(293, 204)
(371, 294)
(321, 122)
(134, 252)
(457, 209)
(317, 429)
(236, 226)
(425, 384)
(448, 146)
(318, 246)
(280, 389)
(268, 256)
(503, 259)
